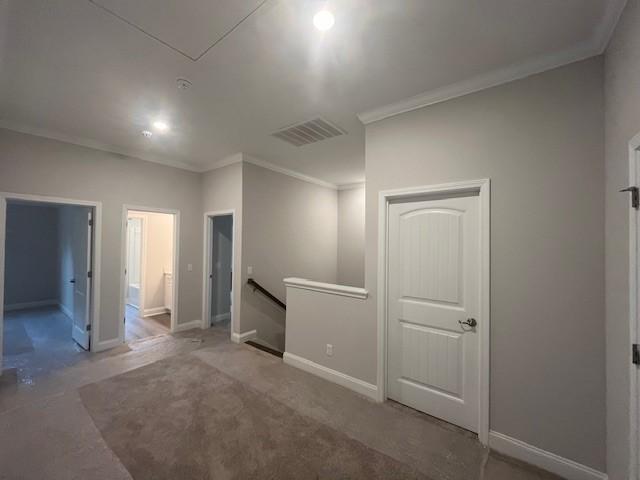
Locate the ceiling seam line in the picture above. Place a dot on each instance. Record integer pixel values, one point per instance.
(230, 31)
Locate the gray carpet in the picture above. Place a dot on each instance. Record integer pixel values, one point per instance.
(181, 418)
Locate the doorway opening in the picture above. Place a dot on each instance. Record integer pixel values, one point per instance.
(48, 285)
(150, 262)
(219, 270)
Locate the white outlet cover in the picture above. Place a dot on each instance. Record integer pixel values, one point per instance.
(249, 270)
(190, 267)
(329, 349)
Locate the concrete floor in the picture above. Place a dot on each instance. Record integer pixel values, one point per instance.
(46, 432)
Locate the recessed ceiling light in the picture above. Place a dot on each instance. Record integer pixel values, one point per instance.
(161, 126)
(323, 20)
(147, 134)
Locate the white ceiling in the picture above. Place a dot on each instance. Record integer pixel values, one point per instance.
(98, 72)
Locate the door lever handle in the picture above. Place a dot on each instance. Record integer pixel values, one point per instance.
(469, 322)
(73, 280)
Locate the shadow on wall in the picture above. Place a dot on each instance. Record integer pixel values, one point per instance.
(267, 314)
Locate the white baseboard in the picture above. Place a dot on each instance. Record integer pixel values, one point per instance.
(222, 317)
(106, 345)
(65, 310)
(23, 306)
(150, 312)
(541, 458)
(243, 337)
(181, 327)
(355, 384)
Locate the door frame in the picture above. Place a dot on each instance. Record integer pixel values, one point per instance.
(483, 188)
(235, 268)
(123, 261)
(634, 309)
(96, 252)
(143, 260)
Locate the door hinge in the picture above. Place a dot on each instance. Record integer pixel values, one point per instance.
(635, 354)
(635, 196)
(90, 274)
(91, 223)
(89, 328)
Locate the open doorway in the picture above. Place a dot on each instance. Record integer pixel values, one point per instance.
(150, 263)
(47, 287)
(219, 258)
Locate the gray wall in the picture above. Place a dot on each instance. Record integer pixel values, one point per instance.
(540, 140)
(35, 165)
(622, 122)
(351, 236)
(31, 261)
(222, 191)
(289, 229)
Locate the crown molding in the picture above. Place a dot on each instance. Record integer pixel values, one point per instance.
(478, 83)
(604, 31)
(84, 142)
(285, 171)
(351, 186)
(595, 45)
(225, 162)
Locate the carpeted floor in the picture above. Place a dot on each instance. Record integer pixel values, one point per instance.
(182, 418)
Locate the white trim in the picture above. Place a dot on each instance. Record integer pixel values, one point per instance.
(236, 267)
(103, 147)
(65, 310)
(634, 320)
(542, 459)
(175, 267)
(96, 251)
(26, 305)
(351, 186)
(225, 162)
(483, 188)
(595, 45)
(604, 31)
(286, 171)
(244, 337)
(151, 312)
(480, 82)
(330, 288)
(221, 317)
(181, 327)
(352, 383)
(107, 345)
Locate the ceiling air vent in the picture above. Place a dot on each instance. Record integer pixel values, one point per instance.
(308, 132)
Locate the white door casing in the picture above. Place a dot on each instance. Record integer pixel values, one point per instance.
(81, 252)
(481, 188)
(433, 286)
(634, 312)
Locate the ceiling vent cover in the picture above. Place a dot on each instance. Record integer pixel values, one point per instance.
(309, 132)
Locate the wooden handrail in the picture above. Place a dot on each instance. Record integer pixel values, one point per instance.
(266, 293)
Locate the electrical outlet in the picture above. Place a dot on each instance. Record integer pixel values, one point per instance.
(249, 270)
(329, 350)
(189, 267)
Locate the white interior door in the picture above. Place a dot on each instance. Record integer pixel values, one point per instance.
(133, 270)
(433, 286)
(81, 251)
